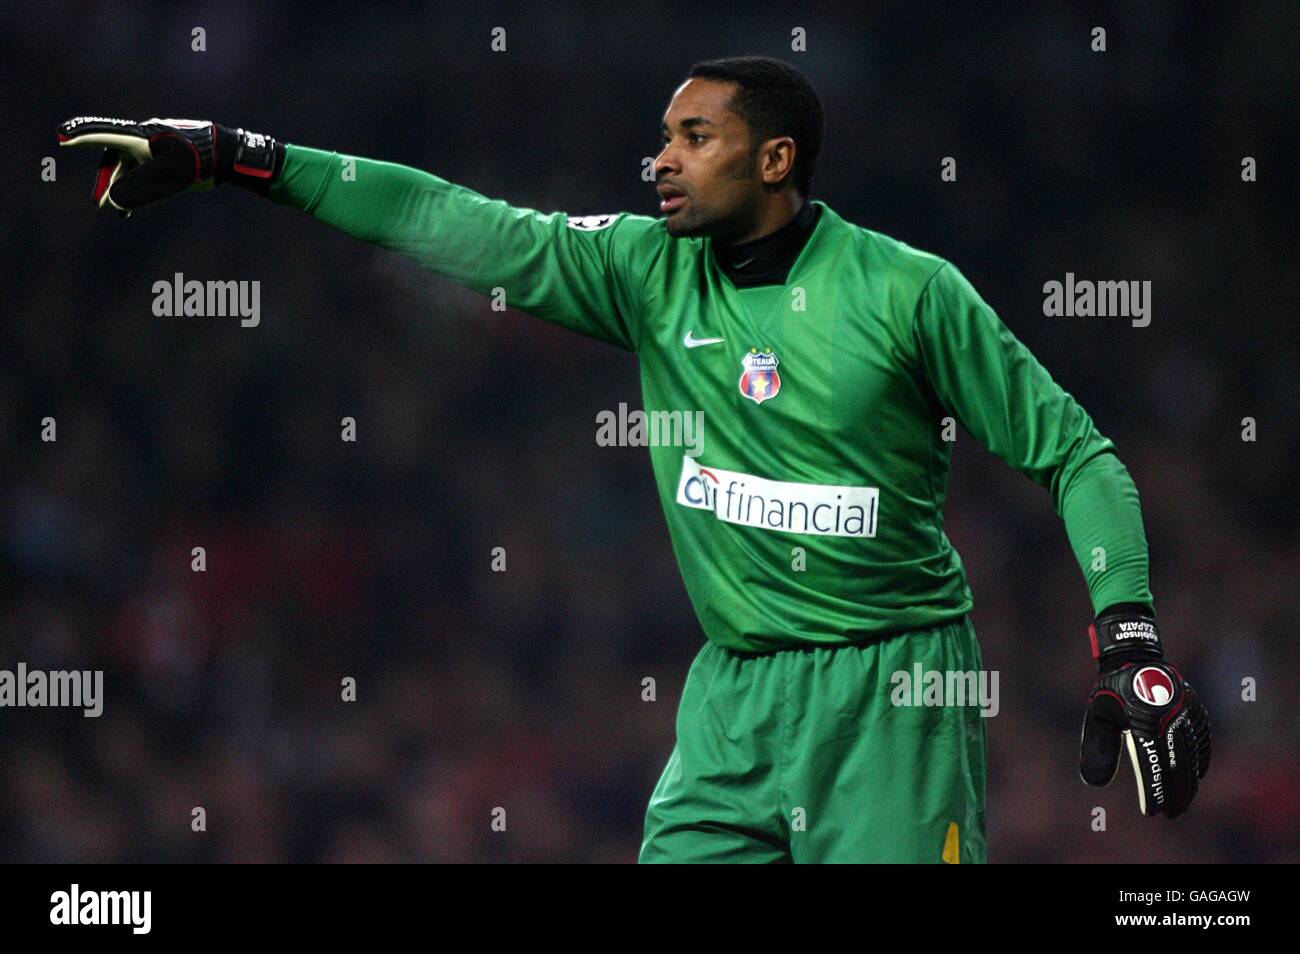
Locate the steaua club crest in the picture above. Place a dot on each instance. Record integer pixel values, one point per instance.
(759, 381)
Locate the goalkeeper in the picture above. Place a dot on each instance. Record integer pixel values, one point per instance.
(827, 360)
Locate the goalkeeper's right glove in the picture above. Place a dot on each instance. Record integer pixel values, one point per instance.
(155, 159)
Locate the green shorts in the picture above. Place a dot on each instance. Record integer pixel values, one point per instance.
(801, 755)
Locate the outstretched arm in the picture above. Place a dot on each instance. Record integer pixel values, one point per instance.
(582, 273)
(574, 272)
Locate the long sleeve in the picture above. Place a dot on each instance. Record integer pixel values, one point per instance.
(579, 273)
(995, 388)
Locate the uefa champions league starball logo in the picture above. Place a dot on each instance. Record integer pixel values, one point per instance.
(590, 223)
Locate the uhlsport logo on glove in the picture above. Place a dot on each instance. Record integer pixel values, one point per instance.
(1153, 686)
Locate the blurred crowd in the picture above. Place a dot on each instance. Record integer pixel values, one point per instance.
(521, 695)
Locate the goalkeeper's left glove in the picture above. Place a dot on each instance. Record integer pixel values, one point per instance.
(155, 159)
(1143, 703)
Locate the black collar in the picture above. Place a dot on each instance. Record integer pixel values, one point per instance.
(767, 260)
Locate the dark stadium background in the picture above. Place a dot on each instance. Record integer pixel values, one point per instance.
(477, 429)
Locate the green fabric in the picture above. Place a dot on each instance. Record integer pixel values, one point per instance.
(813, 516)
(760, 736)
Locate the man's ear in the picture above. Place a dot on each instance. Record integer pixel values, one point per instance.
(777, 160)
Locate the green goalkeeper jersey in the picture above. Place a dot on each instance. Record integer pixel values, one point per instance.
(811, 511)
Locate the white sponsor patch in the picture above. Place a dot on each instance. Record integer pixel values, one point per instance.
(820, 509)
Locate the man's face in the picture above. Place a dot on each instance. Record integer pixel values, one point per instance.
(706, 177)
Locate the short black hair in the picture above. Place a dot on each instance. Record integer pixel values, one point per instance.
(774, 99)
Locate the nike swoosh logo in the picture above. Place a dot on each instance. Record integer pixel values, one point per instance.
(692, 342)
(742, 264)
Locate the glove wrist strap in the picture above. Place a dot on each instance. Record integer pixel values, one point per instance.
(248, 159)
(1121, 636)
